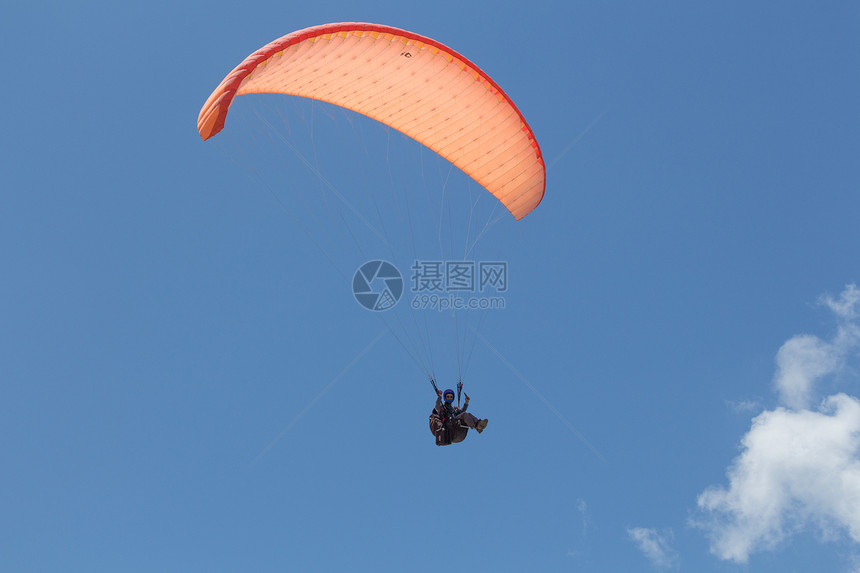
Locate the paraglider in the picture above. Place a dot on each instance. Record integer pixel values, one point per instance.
(449, 423)
(412, 83)
(429, 93)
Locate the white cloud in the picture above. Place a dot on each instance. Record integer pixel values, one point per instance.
(806, 359)
(847, 306)
(800, 363)
(582, 508)
(744, 406)
(582, 535)
(655, 546)
(799, 468)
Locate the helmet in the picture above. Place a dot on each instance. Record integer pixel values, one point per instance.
(445, 395)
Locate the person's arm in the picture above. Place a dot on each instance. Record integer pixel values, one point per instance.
(465, 403)
(440, 409)
(435, 389)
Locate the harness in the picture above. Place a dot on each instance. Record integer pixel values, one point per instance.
(446, 432)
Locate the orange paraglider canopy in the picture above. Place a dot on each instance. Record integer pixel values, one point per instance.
(409, 82)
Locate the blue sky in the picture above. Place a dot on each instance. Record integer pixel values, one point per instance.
(188, 385)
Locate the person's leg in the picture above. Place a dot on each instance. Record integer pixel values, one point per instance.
(468, 419)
